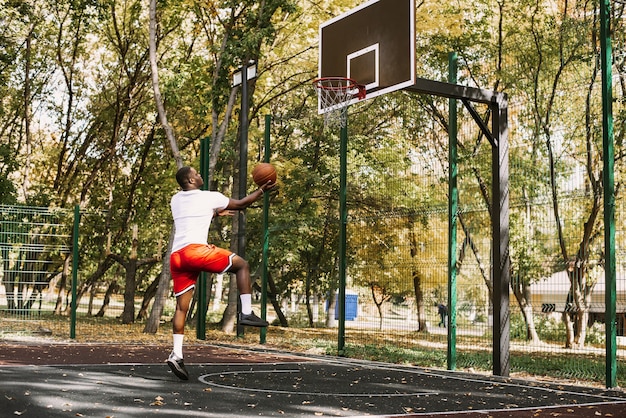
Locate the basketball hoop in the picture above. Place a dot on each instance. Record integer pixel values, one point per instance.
(334, 95)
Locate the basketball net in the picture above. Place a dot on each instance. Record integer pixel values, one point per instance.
(334, 95)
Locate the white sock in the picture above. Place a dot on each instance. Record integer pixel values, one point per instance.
(178, 344)
(246, 303)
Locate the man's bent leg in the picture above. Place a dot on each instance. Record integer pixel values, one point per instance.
(241, 269)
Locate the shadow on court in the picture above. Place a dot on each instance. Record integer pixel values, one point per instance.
(133, 381)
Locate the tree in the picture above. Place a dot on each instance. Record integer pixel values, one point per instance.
(554, 62)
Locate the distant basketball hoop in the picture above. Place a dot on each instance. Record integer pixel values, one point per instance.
(334, 95)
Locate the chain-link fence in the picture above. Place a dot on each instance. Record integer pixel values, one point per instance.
(397, 278)
(35, 244)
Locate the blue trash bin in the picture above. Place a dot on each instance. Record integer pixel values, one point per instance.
(352, 306)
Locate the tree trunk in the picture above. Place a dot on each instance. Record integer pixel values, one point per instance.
(273, 294)
(521, 291)
(107, 298)
(330, 314)
(219, 284)
(582, 317)
(152, 324)
(229, 317)
(230, 313)
(307, 298)
(26, 164)
(147, 297)
(569, 330)
(158, 100)
(419, 302)
(379, 295)
(62, 283)
(529, 319)
(92, 294)
(128, 315)
(417, 279)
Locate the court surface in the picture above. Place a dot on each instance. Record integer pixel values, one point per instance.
(92, 380)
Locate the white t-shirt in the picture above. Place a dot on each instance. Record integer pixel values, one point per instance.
(193, 211)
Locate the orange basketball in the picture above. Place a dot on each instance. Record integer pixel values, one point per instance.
(263, 172)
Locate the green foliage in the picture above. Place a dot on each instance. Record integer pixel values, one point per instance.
(393, 354)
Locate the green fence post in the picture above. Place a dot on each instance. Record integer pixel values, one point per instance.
(202, 278)
(75, 253)
(609, 194)
(343, 222)
(453, 203)
(266, 235)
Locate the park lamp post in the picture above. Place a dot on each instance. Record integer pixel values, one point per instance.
(246, 72)
(249, 69)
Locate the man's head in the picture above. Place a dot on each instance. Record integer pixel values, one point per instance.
(188, 178)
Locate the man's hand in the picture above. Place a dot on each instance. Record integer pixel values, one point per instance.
(267, 186)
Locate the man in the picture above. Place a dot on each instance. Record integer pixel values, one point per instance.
(193, 209)
(443, 315)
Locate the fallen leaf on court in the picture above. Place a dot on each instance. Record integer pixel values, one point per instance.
(78, 414)
(207, 390)
(598, 413)
(319, 414)
(137, 400)
(158, 401)
(18, 412)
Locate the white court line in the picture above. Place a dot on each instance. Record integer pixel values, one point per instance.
(442, 375)
(204, 380)
(436, 373)
(488, 411)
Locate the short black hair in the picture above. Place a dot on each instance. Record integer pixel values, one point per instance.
(182, 175)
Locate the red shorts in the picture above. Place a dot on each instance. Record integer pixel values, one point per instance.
(187, 263)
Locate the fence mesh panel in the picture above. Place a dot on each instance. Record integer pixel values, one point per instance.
(35, 244)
